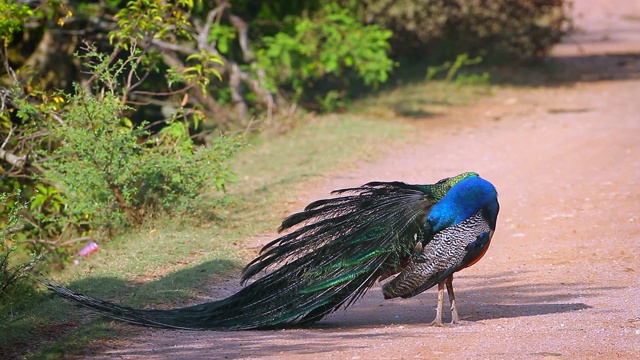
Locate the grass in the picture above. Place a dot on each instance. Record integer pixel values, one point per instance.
(170, 262)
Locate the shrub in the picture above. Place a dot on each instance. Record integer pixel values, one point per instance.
(331, 46)
(442, 29)
(91, 170)
(14, 269)
(115, 175)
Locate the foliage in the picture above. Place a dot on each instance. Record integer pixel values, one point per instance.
(268, 55)
(11, 19)
(87, 167)
(326, 46)
(440, 29)
(15, 14)
(114, 175)
(144, 20)
(204, 40)
(14, 269)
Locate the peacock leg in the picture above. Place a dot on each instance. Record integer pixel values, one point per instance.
(452, 298)
(438, 320)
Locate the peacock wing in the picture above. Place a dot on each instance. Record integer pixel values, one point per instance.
(448, 251)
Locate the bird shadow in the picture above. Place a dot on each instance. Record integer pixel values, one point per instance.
(496, 295)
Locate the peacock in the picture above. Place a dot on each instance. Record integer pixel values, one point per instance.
(338, 248)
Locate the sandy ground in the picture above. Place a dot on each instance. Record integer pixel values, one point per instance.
(561, 277)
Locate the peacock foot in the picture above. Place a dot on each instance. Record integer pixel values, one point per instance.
(437, 323)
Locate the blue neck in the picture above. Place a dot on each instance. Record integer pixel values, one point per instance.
(462, 201)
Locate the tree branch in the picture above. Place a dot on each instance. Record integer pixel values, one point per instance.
(243, 36)
(12, 159)
(20, 162)
(211, 18)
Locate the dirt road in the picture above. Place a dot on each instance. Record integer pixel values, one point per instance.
(561, 277)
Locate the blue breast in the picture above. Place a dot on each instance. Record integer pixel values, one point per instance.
(462, 201)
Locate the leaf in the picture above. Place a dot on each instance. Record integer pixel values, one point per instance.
(194, 56)
(223, 46)
(37, 201)
(126, 122)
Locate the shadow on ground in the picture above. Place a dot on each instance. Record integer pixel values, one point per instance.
(490, 296)
(163, 291)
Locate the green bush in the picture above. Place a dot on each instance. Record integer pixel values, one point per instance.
(114, 175)
(91, 170)
(327, 47)
(14, 269)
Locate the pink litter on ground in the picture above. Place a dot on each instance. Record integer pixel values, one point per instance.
(89, 249)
